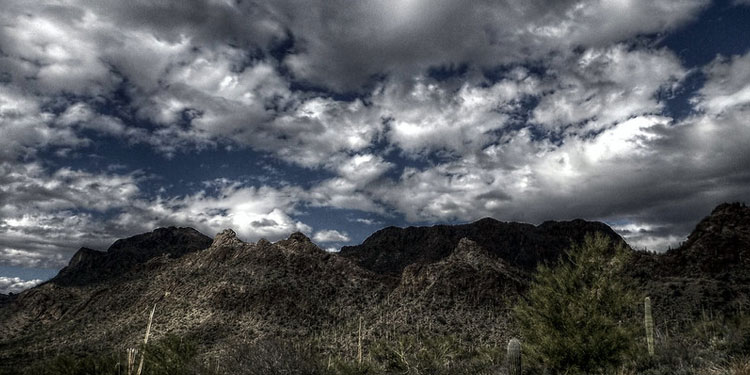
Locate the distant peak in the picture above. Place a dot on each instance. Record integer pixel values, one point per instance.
(227, 237)
(486, 220)
(299, 237)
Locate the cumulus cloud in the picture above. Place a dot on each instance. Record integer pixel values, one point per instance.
(330, 235)
(367, 221)
(726, 88)
(176, 66)
(427, 116)
(26, 126)
(400, 38)
(15, 284)
(603, 86)
(253, 212)
(46, 215)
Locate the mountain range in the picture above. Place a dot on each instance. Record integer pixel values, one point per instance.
(460, 280)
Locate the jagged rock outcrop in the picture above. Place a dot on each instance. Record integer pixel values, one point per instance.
(227, 238)
(391, 249)
(469, 276)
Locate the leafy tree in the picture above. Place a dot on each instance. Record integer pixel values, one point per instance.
(577, 316)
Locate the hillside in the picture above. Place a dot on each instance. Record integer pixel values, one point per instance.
(709, 271)
(226, 291)
(453, 282)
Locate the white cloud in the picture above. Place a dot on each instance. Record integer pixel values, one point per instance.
(15, 284)
(607, 85)
(376, 37)
(252, 212)
(26, 127)
(330, 235)
(58, 50)
(367, 221)
(427, 116)
(363, 169)
(648, 236)
(726, 87)
(46, 215)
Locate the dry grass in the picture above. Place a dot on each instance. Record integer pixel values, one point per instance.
(736, 366)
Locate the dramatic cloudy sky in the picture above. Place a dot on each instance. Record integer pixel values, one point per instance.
(336, 118)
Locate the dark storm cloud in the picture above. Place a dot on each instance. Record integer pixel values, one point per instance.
(343, 44)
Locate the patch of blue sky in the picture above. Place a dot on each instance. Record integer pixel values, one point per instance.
(25, 273)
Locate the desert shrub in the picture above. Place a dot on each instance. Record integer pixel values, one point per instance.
(168, 356)
(578, 316)
(72, 364)
(270, 356)
(171, 355)
(445, 354)
(711, 344)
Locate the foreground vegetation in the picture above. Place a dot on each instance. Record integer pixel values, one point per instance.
(712, 346)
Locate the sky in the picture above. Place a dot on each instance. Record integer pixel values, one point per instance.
(337, 118)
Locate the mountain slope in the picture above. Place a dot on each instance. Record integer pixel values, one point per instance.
(445, 281)
(718, 246)
(708, 272)
(222, 293)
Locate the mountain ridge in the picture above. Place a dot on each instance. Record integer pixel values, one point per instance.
(391, 249)
(223, 291)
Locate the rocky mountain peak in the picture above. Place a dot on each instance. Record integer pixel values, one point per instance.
(469, 274)
(227, 238)
(726, 220)
(174, 241)
(299, 237)
(469, 252)
(84, 256)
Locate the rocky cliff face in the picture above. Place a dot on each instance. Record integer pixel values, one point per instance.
(469, 276)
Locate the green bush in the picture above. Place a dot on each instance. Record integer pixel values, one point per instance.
(578, 317)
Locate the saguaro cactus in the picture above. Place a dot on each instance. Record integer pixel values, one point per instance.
(514, 357)
(649, 322)
(359, 342)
